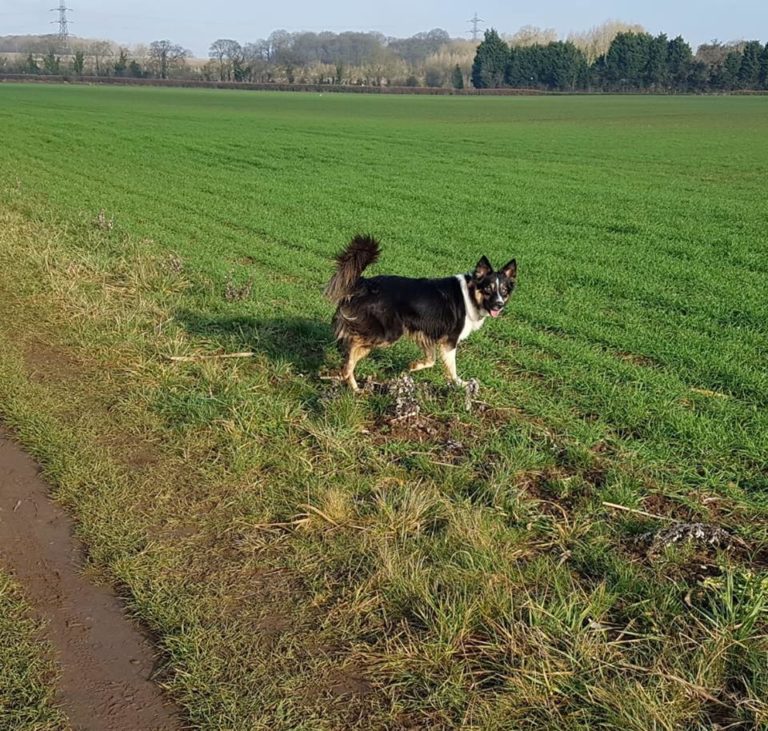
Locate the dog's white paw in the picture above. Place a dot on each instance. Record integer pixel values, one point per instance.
(472, 386)
(471, 389)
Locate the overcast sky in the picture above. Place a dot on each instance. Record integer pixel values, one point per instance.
(195, 25)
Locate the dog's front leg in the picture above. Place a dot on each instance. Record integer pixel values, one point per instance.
(448, 355)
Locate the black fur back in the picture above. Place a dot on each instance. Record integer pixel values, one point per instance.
(382, 309)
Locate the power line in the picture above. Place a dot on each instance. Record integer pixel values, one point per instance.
(63, 22)
(475, 21)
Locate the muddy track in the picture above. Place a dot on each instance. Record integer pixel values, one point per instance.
(106, 663)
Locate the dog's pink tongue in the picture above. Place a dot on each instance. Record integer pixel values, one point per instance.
(495, 313)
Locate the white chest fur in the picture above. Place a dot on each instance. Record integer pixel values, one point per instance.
(473, 319)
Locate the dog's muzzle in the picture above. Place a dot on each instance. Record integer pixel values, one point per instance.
(496, 308)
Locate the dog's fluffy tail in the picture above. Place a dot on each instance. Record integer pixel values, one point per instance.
(361, 252)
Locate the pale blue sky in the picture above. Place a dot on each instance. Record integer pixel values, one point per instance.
(195, 25)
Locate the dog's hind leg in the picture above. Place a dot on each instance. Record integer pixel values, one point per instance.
(448, 356)
(356, 352)
(427, 361)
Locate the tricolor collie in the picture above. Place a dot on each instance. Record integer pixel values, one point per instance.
(436, 313)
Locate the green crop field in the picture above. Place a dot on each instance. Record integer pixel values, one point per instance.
(302, 561)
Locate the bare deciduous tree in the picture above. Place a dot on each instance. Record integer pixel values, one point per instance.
(379, 67)
(455, 53)
(229, 55)
(715, 53)
(166, 56)
(256, 57)
(596, 41)
(531, 35)
(100, 51)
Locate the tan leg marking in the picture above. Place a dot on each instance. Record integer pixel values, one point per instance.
(448, 356)
(356, 353)
(427, 361)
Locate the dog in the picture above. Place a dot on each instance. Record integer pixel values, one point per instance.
(436, 313)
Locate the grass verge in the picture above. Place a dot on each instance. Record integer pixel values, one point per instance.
(27, 673)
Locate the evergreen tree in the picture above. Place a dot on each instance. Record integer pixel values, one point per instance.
(657, 68)
(30, 66)
(51, 63)
(764, 67)
(627, 60)
(679, 59)
(523, 69)
(698, 76)
(457, 78)
(725, 76)
(78, 63)
(732, 65)
(240, 72)
(490, 62)
(597, 74)
(121, 65)
(749, 70)
(562, 66)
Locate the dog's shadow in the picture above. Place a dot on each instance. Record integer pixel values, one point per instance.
(308, 344)
(303, 342)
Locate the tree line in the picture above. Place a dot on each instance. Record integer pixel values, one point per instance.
(634, 61)
(359, 58)
(161, 59)
(613, 56)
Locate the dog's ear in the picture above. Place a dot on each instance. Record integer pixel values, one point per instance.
(509, 270)
(483, 269)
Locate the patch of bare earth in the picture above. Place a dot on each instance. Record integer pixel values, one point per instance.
(405, 420)
(106, 664)
(47, 363)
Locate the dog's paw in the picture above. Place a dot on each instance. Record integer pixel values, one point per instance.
(471, 389)
(472, 386)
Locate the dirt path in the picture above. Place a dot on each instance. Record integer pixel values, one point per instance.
(105, 661)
